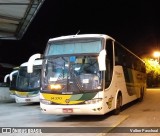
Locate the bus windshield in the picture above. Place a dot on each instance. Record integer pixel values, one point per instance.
(71, 74)
(28, 81)
(74, 46)
(13, 82)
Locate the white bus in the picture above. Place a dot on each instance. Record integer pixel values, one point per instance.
(12, 82)
(89, 74)
(28, 84)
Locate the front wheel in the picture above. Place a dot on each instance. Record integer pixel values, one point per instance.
(118, 104)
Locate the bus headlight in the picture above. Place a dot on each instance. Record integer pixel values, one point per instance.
(93, 101)
(45, 101)
(55, 87)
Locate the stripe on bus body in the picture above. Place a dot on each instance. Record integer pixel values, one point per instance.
(26, 94)
(68, 98)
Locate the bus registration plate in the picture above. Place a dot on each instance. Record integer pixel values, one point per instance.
(67, 110)
(27, 100)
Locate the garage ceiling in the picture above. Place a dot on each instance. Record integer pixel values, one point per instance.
(16, 16)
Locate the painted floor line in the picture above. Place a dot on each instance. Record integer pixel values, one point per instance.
(109, 128)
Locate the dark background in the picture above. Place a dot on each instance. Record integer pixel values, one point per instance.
(134, 23)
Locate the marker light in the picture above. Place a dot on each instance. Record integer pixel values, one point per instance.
(55, 87)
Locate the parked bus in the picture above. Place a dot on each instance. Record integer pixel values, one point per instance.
(12, 81)
(28, 84)
(89, 74)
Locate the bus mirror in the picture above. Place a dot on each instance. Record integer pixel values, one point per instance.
(5, 78)
(31, 62)
(102, 60)
(11, 74)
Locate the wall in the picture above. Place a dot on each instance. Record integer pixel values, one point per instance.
(4, 95)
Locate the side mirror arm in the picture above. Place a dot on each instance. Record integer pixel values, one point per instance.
(31, 62)
(102, 60)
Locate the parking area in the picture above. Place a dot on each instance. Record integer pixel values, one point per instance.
(29, 116)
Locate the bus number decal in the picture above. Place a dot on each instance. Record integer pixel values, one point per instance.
(56, 98)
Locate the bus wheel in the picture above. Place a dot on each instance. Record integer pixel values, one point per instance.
(118, 104)
(141, 95)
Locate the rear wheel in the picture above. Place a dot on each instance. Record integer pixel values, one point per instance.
(118, 104)
(141, 95)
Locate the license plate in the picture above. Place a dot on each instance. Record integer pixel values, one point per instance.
(67, 110)
(27, 100)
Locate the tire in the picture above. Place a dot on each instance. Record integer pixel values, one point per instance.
(118, 104)
(140, 99)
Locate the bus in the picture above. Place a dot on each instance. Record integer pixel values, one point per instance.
(12, 82)
(89, 74)
(28, 84)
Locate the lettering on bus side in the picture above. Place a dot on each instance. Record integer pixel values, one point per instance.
(139, 76)
(118, 74)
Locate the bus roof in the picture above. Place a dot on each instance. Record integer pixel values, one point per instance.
(36, 62)
(81, 36)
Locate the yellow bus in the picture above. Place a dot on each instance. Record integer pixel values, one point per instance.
(88, 74)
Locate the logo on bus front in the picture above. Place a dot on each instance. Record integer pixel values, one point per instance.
(67, 101)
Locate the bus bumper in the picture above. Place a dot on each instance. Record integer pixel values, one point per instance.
(27, 99)
(12, 96)
(91, 109)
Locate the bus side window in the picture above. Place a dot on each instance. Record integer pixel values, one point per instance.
(119, 55)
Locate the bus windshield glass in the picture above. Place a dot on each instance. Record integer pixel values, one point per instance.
(74, 46)
(71, 74)
(13, 82)
(28, 81)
